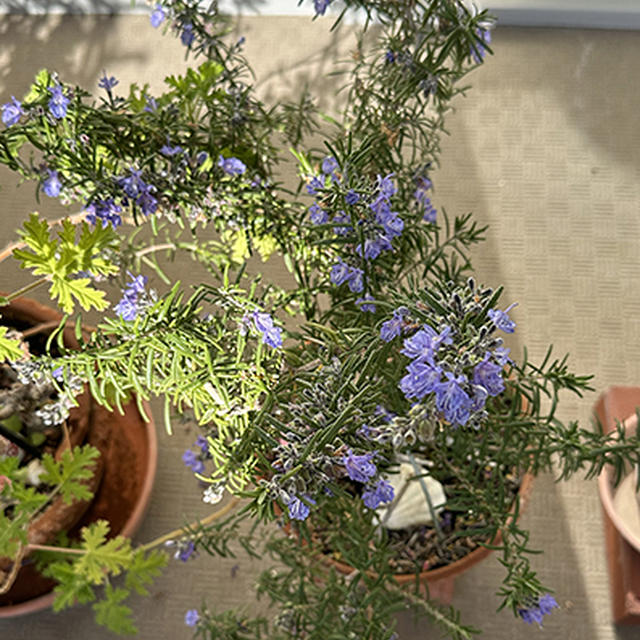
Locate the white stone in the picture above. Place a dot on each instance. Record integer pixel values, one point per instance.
(410, 506)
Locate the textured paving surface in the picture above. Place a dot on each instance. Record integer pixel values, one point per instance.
(546, 150)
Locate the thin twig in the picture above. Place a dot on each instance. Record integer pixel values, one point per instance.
(11, 577)
(46, 547)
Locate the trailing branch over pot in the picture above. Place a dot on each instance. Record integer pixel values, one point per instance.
(388, 429)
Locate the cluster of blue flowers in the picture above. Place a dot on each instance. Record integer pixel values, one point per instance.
(58, 103)
(378, 225)
(12, 112)
(139, 191)
(134, 300)
(457, 376)
(360, 468)
(263, 323)
(191, 618)
(536, 612)
(195, 460)
(423, 185)
(159, 15)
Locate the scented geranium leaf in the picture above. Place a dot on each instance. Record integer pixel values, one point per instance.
(102, 555)
(8, 466)
(62, 259)
(144, 568)
(65, 290)
(69, 472)
(9, 348)
(113, 615)
(13, 533)
(72, 587)
(90, 246)
(27, 499)
(42, 257)
(42, 80)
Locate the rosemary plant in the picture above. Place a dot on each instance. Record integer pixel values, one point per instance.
(392, 380)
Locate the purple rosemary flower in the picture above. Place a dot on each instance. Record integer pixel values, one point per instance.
(191, 460)
(329, 165)
(107, 83)
(191, 618)
(479, 51)
(365, 304)
(340, 272)
(58, 102)
(147, 202)
(158, 16)
(151, 104)
(536, 612)
(372, 249)
(393, 327)
(430, 212)
(393, 225)
(359, 468)
(133, 184)
(185, 551)
(298, 510)
(352, 197)
(317, 214)
(452, 400)
(386, 187)
(355, 282)
(381, 493)
(501, 320)
(203, 444)
(479, 398)
(315, 184)
(389, 57)
(12, 111)
(51, 184)
(488, 375)
(271, 334)
(232, 166)
(106, 211)
(168, 150)
(426, 342)
(130, 306)
(342, 217)
(320, 6)
(422, 378)
(187, 36)
(501, 355)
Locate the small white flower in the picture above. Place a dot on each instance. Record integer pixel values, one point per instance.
(213, 493)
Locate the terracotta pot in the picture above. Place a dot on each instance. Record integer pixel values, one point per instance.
(621, 503)
(128, 448)
(454, 569)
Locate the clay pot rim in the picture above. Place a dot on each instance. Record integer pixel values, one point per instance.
(459, 566)
(605, 489)
(43, 313)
